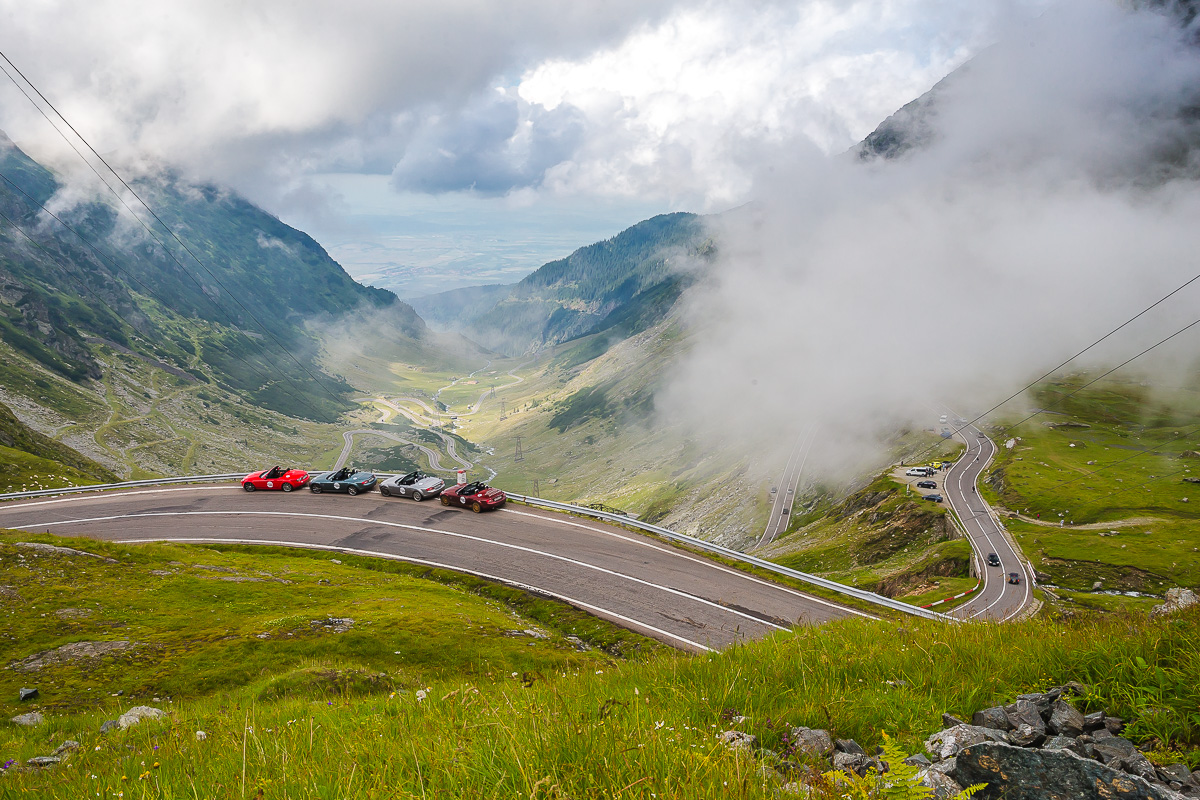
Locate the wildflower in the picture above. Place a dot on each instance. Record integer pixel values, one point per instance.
(421, 695)
(659, 724)
(9, 763)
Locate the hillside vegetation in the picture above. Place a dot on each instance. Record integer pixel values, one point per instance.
(323, 713)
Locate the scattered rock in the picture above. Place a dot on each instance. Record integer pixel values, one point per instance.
(1065, 720)
(1062, 743)
(944, 787)
(812, 741)
(848, 746)
(949, 721)
(918, 760)
(1138, 764)
(333, 624)
(1093, 721)
(1025, 712)
(68, 745)
(946, 744)
(51, 550)
(9, 593)
(138, 713)
(1177, 600)
(1026, 736)
(29, 720)
(1175, 772)
(995, 718)
(1113, 749)
(201, 736)
(27, 694)
(108, 725)
(858, 763)
(73, 613)
(738, 740)
(76, 651)
(43, 761)
(1015, 773)
(1113, 725)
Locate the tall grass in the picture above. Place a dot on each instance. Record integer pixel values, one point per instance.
(630, 730)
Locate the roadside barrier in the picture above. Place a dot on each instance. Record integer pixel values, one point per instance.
(955, 597)
(725, 552)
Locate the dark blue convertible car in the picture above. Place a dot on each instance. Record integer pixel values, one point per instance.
(346, 480)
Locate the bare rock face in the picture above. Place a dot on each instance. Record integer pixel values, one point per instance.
(1015, 773)
(1177, 600)
(75, 651)
(138, 713)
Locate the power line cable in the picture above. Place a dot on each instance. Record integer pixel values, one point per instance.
(167, 228)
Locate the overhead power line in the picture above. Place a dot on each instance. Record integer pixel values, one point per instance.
(266, 330)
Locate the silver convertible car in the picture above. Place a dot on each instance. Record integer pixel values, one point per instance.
(416, 485)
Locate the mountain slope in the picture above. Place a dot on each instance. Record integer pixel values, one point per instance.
(574, 296)
(238, 318)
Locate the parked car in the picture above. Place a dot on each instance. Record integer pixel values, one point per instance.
(920, 472)
(416, 485)
(346, 480)
(937, 498)
(926, 485)
(283, 479)
(477, 496)
(1014, 577)
(993, 560)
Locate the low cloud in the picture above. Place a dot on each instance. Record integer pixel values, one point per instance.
(1057, 198)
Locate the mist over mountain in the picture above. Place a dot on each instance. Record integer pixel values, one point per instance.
(235, 310)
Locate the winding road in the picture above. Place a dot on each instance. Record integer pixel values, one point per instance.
(996, 599)
(785, 492)
(633, 580)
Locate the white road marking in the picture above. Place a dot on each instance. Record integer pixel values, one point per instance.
(553, 556)
(578, 603)
(711, 564)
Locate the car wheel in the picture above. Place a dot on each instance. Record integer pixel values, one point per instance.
(352, 491)
(287, 487)
(418, 496)
(445, 500)
(249, 487)
(476, 507)
(315, 489)
(386, 492)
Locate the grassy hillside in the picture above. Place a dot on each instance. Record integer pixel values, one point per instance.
(27, 454)
(323, 713)
(1099, 490)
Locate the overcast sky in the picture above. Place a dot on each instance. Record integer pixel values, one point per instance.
(477, 137)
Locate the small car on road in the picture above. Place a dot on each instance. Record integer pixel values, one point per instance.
(416, 485)
(926, 484)
(1014, 577)
(920, 472)
(993, 560)
(936, 498)
(282, 478)
(346, 480)
(477, 496)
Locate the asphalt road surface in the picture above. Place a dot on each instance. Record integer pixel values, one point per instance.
(674, 596)
(996, 599)
(785, 493)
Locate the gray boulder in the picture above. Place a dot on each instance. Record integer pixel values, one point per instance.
(1065, 720)
(949, 721)
(29, 720)
(1025, 712)
(946, 744)
(1113, 749)
(43, 761)
(858, 763)
(69, 744)
(138, 713)
(995, 718)
(848, 746)
(1062, 743)
(1026, 736)
(1015, 773)
(108, 725)
(1113, 725)
(918, 760)
(1093, 721)
(1177, 600)
(944, 787)
(1137, 764)
(1175, 772)
(27, 694)
(1043, 700)
(812, 741)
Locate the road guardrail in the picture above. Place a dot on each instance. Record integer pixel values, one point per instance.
(778, 569)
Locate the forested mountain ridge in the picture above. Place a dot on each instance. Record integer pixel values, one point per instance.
(235, 314)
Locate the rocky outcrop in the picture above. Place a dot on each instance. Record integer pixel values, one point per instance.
(1177, 600)
(136, 714)
(1016, 773)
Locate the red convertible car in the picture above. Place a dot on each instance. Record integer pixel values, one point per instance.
(276, 478)
(476, 496)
